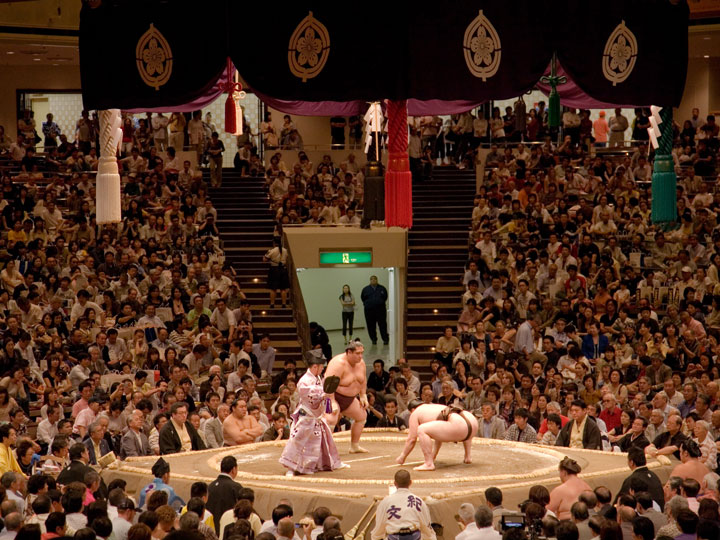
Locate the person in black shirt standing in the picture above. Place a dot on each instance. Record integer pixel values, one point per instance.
(337, 132)
(374, 298)
(379, 378)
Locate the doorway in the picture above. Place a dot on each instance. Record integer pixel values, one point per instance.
(321, 290)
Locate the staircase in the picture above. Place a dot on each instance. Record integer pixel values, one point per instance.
(438, 240)
(246, 226)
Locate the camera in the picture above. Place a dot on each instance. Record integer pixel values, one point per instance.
(512, 520)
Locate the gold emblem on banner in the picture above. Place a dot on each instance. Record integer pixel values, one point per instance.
(309, 48)
(482, 47)
(620, 54)
(153, 58)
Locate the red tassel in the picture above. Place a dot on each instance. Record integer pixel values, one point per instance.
(230, 115)
(398, 178)
(232, 109)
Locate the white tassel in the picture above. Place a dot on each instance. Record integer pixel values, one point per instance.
(108, 204)
(373, 125)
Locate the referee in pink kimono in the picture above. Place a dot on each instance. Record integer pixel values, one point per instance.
(311, 446)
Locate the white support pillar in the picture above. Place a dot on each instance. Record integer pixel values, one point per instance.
(108, 178)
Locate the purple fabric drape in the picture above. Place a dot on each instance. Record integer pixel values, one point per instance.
(416, 107)
(200, 103)
(571, 95)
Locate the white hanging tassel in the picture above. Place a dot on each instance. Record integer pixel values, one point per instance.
(373, 125)
(108, 204)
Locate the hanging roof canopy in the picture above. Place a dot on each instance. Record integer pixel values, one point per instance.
(314, 56)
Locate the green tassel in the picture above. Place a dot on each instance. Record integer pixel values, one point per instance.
(664, 195)
(554, 108)
(664, 181)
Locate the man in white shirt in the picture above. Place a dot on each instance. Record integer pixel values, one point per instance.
(17, 149)
(82, 303)
(466, 514)
(81, 371)
(47, 429)
(223, 319)
(484, 529)
(196, 134)
(219, 283)
(13, 523)
(331, 214)
(350, 218)
(30, 313)
(174, 163)
(234, 381)
(117, 347)
(51, 216)
(24, 347)
(135, 163)
(150, 319)
(402, 511)
(162, 343)
(124, 520)
(159, 125)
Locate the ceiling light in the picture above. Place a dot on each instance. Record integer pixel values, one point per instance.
(10, 52)
(706, 56)
(37, 59)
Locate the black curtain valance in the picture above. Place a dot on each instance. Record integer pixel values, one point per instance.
(154, 53)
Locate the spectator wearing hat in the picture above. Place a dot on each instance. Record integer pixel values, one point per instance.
(161, 472)
(125, 518)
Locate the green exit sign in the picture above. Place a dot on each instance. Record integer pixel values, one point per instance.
(346, 257)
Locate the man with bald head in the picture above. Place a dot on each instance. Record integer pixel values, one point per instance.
(668, 442)
(13, 523)
(285, 529)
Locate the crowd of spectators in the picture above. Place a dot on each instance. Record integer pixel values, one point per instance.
(112, 333)
(309, 194)
(582, 324)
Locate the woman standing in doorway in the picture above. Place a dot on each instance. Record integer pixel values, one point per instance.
(347, 301)
(278, 280)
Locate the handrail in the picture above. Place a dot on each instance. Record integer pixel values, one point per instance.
(299, 311)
